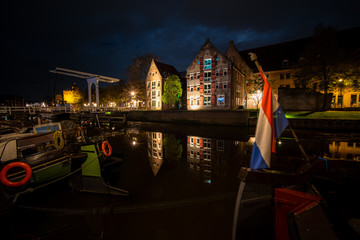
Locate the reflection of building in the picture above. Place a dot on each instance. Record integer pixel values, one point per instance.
(345, 150)
(155, 150)
(207, 156)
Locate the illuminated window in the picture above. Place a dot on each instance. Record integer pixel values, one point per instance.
(207, 88)
(207, 155)
(285, 63)
(207, 143)
(221, 100)
(158, 103)
(191, 101)
(207, 63)
(207, 76)
(220, 145)
(352, 99)
(207, 100)
(198, 101)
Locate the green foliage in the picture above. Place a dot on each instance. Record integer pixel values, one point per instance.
(172, 90)
(173, 148)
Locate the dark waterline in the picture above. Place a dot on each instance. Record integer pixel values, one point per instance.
(183, 185)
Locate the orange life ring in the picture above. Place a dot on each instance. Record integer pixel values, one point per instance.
(7, 182)
(107, 152)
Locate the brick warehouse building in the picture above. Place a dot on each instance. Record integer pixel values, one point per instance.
(214, 80)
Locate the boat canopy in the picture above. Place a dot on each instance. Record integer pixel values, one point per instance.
(8, 151)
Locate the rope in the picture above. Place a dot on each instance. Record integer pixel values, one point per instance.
(58, 140)
(326, 162)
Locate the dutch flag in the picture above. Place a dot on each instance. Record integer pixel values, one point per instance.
(271, 123)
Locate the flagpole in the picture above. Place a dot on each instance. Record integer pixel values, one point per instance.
(253, 58)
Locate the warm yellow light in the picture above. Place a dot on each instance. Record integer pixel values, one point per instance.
(340, 80)
(132, 93)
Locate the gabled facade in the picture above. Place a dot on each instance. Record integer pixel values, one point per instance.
(209, 81)
(158, 72)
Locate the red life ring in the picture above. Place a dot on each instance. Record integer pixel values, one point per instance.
(107, 152)
(5, 180)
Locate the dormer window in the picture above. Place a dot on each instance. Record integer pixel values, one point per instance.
(207, 63)
(285, 63)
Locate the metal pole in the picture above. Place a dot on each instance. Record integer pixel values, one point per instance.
(253, 58)
(237, 206)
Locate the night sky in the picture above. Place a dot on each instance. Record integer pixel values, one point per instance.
(102, 37)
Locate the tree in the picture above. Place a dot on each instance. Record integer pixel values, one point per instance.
(321, 63)
(114, 93)
(254, 88)
(136, 74)
(172, 91)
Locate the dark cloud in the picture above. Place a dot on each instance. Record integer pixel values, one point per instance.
(104, 36)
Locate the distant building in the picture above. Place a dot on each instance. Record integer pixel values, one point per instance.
(155, 79)
(279, 60)
(12, 101)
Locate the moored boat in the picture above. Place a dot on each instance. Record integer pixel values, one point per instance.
(32, 162)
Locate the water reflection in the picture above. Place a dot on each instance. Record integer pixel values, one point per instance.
(172, 173)
(212, 157)
(344, 150)
(155, 150)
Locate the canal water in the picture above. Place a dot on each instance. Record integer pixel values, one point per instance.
(182, 181)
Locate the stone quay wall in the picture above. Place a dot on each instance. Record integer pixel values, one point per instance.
(216, 117)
